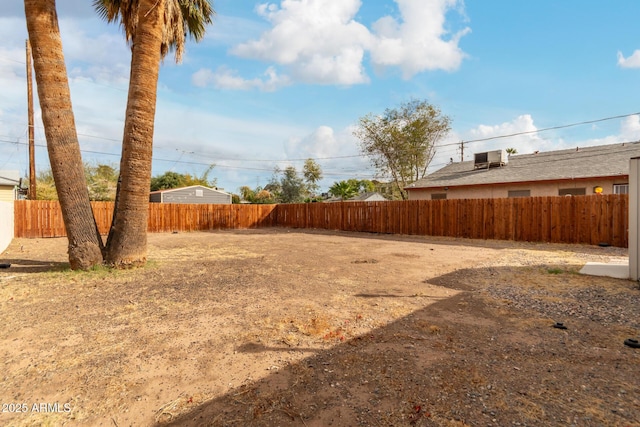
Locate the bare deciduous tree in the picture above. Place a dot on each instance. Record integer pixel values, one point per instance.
(401, 142)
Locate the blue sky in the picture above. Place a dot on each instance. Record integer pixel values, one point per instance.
(277, 82)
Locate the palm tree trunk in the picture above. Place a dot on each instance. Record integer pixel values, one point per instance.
(85, 243)
(127, 242)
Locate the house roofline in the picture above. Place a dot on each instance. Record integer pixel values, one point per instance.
(166, 190)
(492, 184)
(9, 179)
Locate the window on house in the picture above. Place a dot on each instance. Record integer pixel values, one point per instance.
(572, 191)
(519, 193)
(620, 188)
(438, 196)
(199, 193)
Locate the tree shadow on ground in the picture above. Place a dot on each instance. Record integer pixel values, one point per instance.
(435, 298)
(315, 390)
(462, 360)
(20, 265)
(254, 347)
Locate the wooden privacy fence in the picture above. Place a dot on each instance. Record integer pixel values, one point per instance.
(44, 218)
(579, 219)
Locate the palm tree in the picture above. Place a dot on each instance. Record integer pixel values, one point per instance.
(152, 27)
(85, 244)
(343, 189)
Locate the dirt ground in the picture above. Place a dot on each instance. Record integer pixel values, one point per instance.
(285, 327)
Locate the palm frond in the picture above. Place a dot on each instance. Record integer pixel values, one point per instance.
(182, 18)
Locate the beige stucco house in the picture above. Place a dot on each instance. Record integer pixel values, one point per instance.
(601, 169)
(9, 182)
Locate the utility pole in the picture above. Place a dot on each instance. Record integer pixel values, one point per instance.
(32, 154)
(462, 151)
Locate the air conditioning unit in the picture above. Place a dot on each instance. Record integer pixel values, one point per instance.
(490, 159)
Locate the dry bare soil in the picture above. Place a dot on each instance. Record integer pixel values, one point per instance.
(289, 328)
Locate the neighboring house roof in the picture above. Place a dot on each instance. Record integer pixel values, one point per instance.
(575, 163)
(9, 177)
(169, 190)
(371, 196)
(332, 199)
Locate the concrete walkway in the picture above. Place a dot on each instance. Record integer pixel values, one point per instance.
(615, 269)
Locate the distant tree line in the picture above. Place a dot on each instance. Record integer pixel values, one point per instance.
(177, 180)
(287, 186)
(102, 182)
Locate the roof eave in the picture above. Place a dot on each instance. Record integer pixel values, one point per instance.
(489, 184)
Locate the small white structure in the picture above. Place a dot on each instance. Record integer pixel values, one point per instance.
(9, 182)
(627, 268)
(6, 224)
(195, 194)
(634, 218)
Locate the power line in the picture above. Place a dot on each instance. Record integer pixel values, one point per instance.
(586, 122)
(13, 60)
(224, 159)
(461, 143)
(94, 136)
(185, 162)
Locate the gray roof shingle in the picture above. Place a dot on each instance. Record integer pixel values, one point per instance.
(574, 163)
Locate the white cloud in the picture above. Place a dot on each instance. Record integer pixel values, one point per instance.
(629, 131)
(336, 151)
(225, 78)
(522, 123)
(321, 42)
(630, 128)
(419, 42)
(525, 139)
(320, 143)
(528, 142)
(318, 39)
(632, 61)
(223, 136)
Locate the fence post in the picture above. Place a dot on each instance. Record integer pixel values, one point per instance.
(634, 220)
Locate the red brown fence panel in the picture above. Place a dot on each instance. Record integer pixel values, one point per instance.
(579, 219)
(39, 218)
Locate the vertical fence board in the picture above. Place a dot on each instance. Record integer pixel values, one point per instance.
(579, 230)
(499, 220)
(620, 221)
